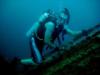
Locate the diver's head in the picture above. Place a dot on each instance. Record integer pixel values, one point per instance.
(64, 16)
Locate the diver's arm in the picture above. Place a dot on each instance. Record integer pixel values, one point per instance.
(33, 29)
(74, 33)
(48, 33)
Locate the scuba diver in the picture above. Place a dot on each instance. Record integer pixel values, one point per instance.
(45, 31)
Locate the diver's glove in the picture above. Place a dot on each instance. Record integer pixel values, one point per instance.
(84, 33)
(81, 34)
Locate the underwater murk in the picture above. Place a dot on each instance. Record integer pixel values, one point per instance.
(78, 55)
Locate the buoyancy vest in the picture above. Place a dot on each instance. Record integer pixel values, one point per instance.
(41, 30)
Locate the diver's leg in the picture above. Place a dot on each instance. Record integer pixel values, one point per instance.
(35, 52)
(36, 56)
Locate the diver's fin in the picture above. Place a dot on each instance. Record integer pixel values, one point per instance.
(27, 61)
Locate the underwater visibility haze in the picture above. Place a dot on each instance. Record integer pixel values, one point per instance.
(18, 16)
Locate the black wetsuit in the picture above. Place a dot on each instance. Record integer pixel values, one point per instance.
(41, 33)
